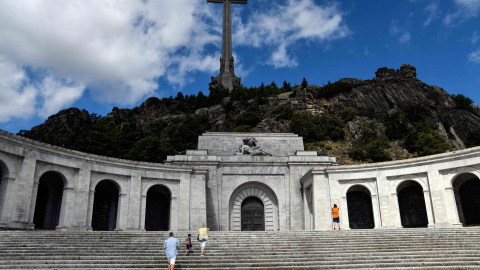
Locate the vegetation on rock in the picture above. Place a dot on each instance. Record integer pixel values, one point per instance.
(355, 120)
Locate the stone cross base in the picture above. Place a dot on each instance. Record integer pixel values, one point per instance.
(227, 80)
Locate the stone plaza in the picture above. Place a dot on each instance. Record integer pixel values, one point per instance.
(233, 182)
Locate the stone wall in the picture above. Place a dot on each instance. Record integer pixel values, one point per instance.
(434, 175)
(24, 162)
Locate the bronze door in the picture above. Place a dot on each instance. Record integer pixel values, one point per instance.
(253, 215)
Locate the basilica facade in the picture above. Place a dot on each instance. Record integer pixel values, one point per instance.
(233, 182)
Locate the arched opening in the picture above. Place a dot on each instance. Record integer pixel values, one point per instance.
(411, 201)
(105, 206)
(253, 215)
(157, 213)
(49, 201)
(360, 211)
(467, 195)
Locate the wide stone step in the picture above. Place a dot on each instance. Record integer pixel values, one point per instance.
(239, 265)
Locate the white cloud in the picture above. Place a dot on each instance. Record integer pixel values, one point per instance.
(365, 52)
(466, 9)
(55, 94)
(474, 57)
(395, 31)
(281, 26)
(404, 38)
(116, 47)
(22, 97)
(474, 37)
(432, 13)
(17, 97)
(393, 28)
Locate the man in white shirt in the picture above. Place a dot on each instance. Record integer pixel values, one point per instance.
(171, 249)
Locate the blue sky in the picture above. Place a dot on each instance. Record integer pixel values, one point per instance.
(99, 54)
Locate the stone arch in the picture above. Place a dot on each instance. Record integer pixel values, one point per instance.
(7, 167)
(363, 183)
(67, 178)
(360, 207)
(105, 210)
(7, 177)
(158, 208)
(119, 182)
(466, 189)
(412, 204)
(452, 175)
(261, 191)
(48, 194)
(401, 179)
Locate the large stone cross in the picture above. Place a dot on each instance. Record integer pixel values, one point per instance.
(227, 76)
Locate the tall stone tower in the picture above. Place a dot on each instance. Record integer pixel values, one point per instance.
(227, 77)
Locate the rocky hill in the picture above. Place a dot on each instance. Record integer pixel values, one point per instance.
(392, 116)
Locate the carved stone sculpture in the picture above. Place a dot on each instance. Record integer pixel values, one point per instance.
(251, 148)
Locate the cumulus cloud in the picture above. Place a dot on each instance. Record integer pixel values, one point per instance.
(282, 25)
(116, 47)
(474, 57)
(466, 9)
(17, 96)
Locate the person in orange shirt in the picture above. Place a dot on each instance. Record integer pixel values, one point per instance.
(336, 216)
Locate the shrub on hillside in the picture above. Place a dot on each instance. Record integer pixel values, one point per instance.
(332, 89)
(424, 140)
(370, 146)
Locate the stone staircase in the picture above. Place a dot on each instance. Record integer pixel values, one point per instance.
(351, 249)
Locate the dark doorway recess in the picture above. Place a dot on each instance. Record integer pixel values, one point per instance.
(360, 211)
(49, 201)
(157, 213)
(411, 201)
(253, 215)
(105, 206)
(470, 198)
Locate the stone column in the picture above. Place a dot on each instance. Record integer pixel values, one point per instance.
(91, 197)
(24, 208)
(84, 199)
(33, 203)
(307, 207)
(173, 217)
(385, 205)
(7, 201)
(67, 210)
(395, 207)
(134, 212)
(322, 202)
(438, 200)
(122, 211)
(143, 210)
(451, 206)
(344, 220)
(376, 212)
(428, 205)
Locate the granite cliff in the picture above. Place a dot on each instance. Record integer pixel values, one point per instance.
(394, 114)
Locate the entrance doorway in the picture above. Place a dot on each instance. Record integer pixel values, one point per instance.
(360, 211)
(49, 201)
(105, 205)
(157, 213)
(413, 212)
(253, 215)
(467, 194)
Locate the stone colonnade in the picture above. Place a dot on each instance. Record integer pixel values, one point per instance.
(434, 183)
(27, 165)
